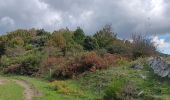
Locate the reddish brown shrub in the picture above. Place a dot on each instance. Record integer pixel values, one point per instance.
(110, 59)
(54, 60)
(92, 60)
(50, 63)
(12, 68)
(88, 62)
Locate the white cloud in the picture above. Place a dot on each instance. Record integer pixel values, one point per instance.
(6, 21)
(161, 44)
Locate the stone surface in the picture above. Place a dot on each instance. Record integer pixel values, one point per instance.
(160, 67)
(137, 67)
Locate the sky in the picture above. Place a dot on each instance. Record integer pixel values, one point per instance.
(147, 17)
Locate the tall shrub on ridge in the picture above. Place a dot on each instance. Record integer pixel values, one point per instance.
(105, 36)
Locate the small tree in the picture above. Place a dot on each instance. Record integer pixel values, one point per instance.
(79, 36)
(105, 36)
(142, 46)
(2, 48)
(57, 40)
(90, 43)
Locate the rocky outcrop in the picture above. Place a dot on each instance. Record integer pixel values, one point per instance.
(160, 67)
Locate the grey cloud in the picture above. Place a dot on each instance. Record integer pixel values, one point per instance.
(126, 16)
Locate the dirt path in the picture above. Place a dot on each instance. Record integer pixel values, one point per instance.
(29, 90)
(2, 81)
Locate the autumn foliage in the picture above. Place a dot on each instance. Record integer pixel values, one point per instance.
(87, 62)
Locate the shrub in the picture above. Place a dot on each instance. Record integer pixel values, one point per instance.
(61, 87)
(113, 91)
(14, 52)
(24, 34)
(27, 64)
(101, 52)
(16, 41)
(64, 88)
(121, 90)
(13, 68)
(122, 61)
(79, 36)
(30, 64)
(6, 61)
(142, 47)
(105, 36)
(110, 59)
(90, 43)
(29, 46)
(87, 62)
(2, 48)
(57, 40)
(48, 65)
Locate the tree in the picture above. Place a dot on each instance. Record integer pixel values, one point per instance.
(57, 40)
(90, 43)
(42, 32)
(2, 48)
(79, 36)
(105, 36)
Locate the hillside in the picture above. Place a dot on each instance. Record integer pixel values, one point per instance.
(110, 84)
(68, 65)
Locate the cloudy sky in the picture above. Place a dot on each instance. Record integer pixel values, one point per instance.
(150, 17)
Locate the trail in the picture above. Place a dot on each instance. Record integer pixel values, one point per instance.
(29, 90)
(2, 81)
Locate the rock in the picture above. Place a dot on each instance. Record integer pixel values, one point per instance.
(137, 67)
(142, 76)
(140, 93)
(160, 67)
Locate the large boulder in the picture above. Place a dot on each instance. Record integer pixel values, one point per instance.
(160, 67)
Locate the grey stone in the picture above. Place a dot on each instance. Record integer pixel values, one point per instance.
(137, 67)
(160, 67)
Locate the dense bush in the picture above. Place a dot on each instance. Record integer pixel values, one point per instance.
(63, 87)
(121, 90)
(48, 65)
(67, 53)
(119, 47)
(90, 43)
(57, 40)
(6, 61)
(105, 37)
(79, 36)
(2, 48)
(17, 41)
(142, 46)
(27, 64)
(87, 62)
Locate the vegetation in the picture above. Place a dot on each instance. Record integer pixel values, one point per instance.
(79, 66)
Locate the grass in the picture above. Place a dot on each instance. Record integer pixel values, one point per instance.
(50, 94)
(93, 85)
(9, 90)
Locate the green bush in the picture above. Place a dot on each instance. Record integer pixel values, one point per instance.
(90, 43)
(29, 47)
(113, 91)
(64, 88)
(29, 64)
(6, 61)
(79, 36)
(61, 87)
(120, 89)
(105, 36)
